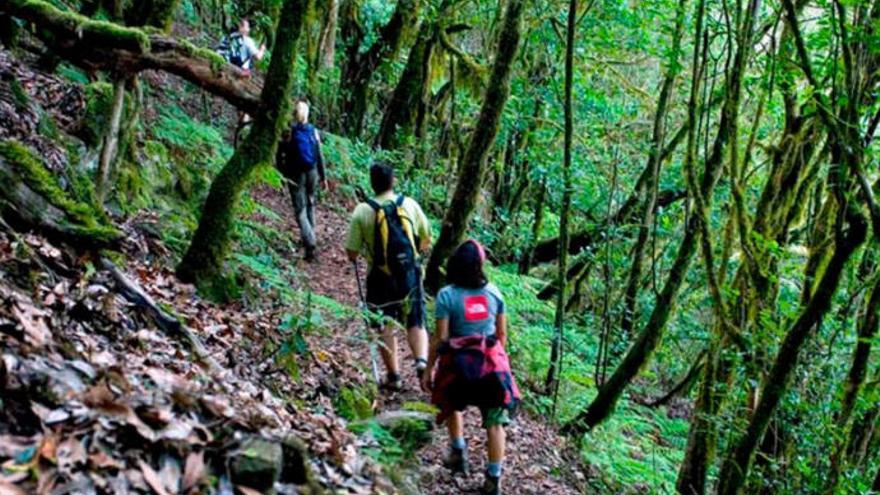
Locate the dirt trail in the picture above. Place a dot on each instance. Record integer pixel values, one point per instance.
(538, 460)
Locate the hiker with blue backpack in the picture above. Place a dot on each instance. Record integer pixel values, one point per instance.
(301, 162)
(391, 231)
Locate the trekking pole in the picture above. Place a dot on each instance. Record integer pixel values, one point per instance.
(363, 310)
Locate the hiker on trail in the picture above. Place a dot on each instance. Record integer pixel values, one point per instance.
(472, 367)
(300, 160)
(239, 49)
(392, 233)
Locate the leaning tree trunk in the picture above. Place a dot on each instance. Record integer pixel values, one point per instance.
(473, 164)
(211, 242)
(648, 187)
(855, 379)
(641, 351)
(100, 45)
(851, 229)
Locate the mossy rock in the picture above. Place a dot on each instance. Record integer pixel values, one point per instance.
(32, 196)
(257, 464)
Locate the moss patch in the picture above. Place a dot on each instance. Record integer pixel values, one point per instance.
(100, 32)
(85, 220)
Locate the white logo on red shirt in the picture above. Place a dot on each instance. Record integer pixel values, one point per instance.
(476, 308)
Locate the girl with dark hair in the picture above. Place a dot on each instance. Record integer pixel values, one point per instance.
(472, 367)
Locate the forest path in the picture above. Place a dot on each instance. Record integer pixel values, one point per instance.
(538, 460)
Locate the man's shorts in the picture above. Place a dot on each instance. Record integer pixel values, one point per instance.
(407, 309)
(495, 416)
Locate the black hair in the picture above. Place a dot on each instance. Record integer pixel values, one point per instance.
(465, 267)
(381, 177)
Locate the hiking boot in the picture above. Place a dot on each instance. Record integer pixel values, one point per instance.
(310, 254)
(457, 461)
(391, 383)
(491, 486)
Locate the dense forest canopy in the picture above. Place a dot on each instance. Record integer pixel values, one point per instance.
(678, 196)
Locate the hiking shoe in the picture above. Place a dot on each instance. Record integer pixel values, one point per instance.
(491, 486)
(310, 254)
(457, 461)
(392, 383)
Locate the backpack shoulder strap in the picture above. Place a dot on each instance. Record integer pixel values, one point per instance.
(373, 204)
(400, 199)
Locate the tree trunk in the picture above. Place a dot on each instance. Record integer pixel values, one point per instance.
(473, 163)
(95, 45)
(552, 381)
(111, 138)
(525, 263)
(31, 199)
(360, 67)
(648, 188)
(409, 98)
(649, 338)
(328, 36)
(211, 242)
(155, 13)
(855, 379)
(739, 456)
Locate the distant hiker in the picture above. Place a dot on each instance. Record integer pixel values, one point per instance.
(392, 232)
(472, 366)
(239, 49)
(301, 161)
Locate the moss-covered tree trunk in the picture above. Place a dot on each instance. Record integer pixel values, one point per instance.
(328, 35)
(649, 338)
(210, 244)
(409, 98)
(472, 167)
(647, 189)
(855, 379)
(100, 45)
(851, 229)
(110, 142)
(360, 66)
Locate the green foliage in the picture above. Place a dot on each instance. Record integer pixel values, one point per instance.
(355, 402)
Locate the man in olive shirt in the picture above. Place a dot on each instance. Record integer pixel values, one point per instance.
(410, 310)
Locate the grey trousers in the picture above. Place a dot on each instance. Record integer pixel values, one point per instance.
(302, 191)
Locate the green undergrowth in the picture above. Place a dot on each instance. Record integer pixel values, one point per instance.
(636, 447)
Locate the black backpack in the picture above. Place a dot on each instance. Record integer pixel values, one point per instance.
(231, 48)
(394, 246)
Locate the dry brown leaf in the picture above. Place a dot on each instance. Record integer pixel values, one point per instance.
(102, 460)
(10, 489)
(71, 453)
(152, 478)
(48, 447)
(194, 470)
(36, 332)
(247, 491)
